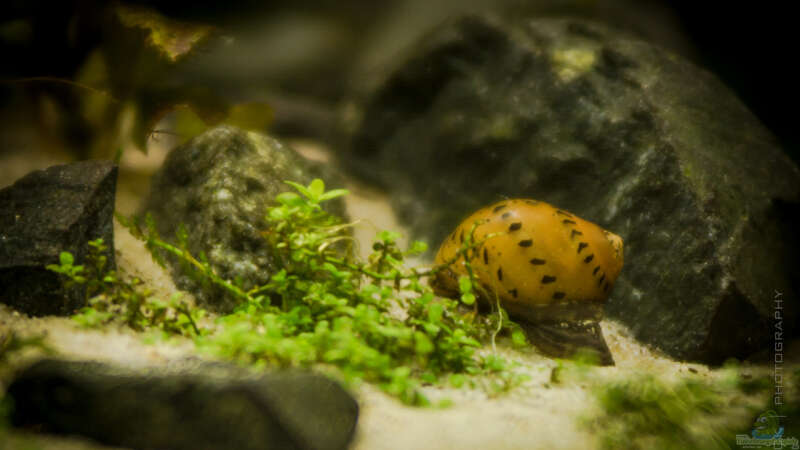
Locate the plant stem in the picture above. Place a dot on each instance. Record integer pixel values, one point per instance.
(186, 256)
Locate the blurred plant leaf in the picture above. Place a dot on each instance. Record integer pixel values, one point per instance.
(256, 116)
(172, 37)
(141, 74)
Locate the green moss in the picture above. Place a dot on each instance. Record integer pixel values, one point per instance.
(644, 411)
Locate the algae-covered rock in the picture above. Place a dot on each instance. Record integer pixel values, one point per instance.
(193, 406)
(47, 212)
(618, 131)
(219, 186)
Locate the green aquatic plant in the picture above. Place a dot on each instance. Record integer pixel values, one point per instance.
(113, 298)
(11, 342)
(373, 320)
(645, 411)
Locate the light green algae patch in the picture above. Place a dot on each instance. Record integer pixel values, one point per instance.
(571, 63)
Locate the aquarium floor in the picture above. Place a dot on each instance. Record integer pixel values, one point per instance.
(538, 414)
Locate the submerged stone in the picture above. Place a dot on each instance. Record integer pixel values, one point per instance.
(200, 405)
(219, 186)
(48, 211)
(618, 131)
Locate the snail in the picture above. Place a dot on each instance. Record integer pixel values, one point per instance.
(551, 270)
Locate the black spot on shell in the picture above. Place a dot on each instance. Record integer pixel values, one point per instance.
(548, 279)
(563, 213)
(498, 208)
(589, 258)
(500, 274)
(605, 287)
(461, 237)
(600, 281)
(568, 222)
(581, 246)
(594, 272)
(559, 295)
(485, 256)
(506, 215)
(537, 261)
(526, 243)
(515, 226)
(513, 292)
(575, 233)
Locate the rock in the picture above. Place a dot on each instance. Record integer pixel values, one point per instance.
(395, 34)
(219, 186)
(44, 213)
(202, 405)
(618, 131)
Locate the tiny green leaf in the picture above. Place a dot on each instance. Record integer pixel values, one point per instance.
(518, 338)
(66, 258)
(300, 188)
(423, 344)
(464, 284)
(316, 188)
(288, 198)
(387, 236)
(435, 312)
(334, 193)
(417, 247)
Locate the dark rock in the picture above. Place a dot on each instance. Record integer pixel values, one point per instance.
(620, 132)
(396, 35)
(219, 186)
(200, 406)
(44, 213)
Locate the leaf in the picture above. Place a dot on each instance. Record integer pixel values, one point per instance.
(464, 284)
(423, 344)
(256, 116)
(388, 237)
(173, 38)
(435, 312)
(66, 258)
(186, 123)
(152, 104)
(97, 244)
(300, 188)
(333, 194)
(316, 188)
(288, 198)
(518, 338)
(430, 328)
(277, 214)
(417, 247)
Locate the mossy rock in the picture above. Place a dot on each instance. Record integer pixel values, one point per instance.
(219, 186)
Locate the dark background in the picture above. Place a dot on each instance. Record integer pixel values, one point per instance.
(751, 46)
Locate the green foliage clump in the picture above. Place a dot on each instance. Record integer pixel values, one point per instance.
(643, 411)
(372, 320)
(11, 342)
(111, 298)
